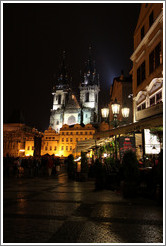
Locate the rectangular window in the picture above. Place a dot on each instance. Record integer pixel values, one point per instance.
(66, 147)
(71, 139)
(141, 74)
(63, 133)
(143, 106)
(50, 147)
(76, 139)
(154, 58)
(85, 133)
(151, 20)
(46, 148)
(28, 148)
(139, 108)
(62, 139)
(55, 148)
(32, 147)
(87, 97)
(158, 97)
(70, 147)
(67, 133)
(53, 138)
(71, 133)
(62, 148)
(66, 139)
(76, 133)
(152, 101)
(142, 33)
(59, 99)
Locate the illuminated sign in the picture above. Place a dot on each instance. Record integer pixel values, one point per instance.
(126, 143)
(152, 144)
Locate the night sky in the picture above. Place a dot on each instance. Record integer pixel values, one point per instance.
(34, 38)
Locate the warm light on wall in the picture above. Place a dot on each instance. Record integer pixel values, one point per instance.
(22, 150)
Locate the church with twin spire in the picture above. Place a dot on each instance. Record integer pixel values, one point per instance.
(66, 108)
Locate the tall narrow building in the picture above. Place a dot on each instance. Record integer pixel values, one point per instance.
(89, 90)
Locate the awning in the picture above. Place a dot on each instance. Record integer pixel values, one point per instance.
(132, 127)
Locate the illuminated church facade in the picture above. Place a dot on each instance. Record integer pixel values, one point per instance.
(66, 108)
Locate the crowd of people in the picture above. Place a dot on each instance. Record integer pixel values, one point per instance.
(31, 166)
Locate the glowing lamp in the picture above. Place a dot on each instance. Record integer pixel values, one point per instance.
(105, 112)
(115, 107)
(125, 112)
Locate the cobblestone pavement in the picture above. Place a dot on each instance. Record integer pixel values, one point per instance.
(55, 210)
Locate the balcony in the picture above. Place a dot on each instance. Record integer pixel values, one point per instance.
(148, 112)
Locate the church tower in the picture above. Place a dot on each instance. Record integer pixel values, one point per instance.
(89, 90)
(60, 94)
(66, 109)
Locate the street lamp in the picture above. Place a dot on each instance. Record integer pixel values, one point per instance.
(125, 112)
(115, 110)
(105, 112)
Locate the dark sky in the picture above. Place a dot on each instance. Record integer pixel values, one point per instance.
(35, 36)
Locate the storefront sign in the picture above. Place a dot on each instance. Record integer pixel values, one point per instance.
(126, 143)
